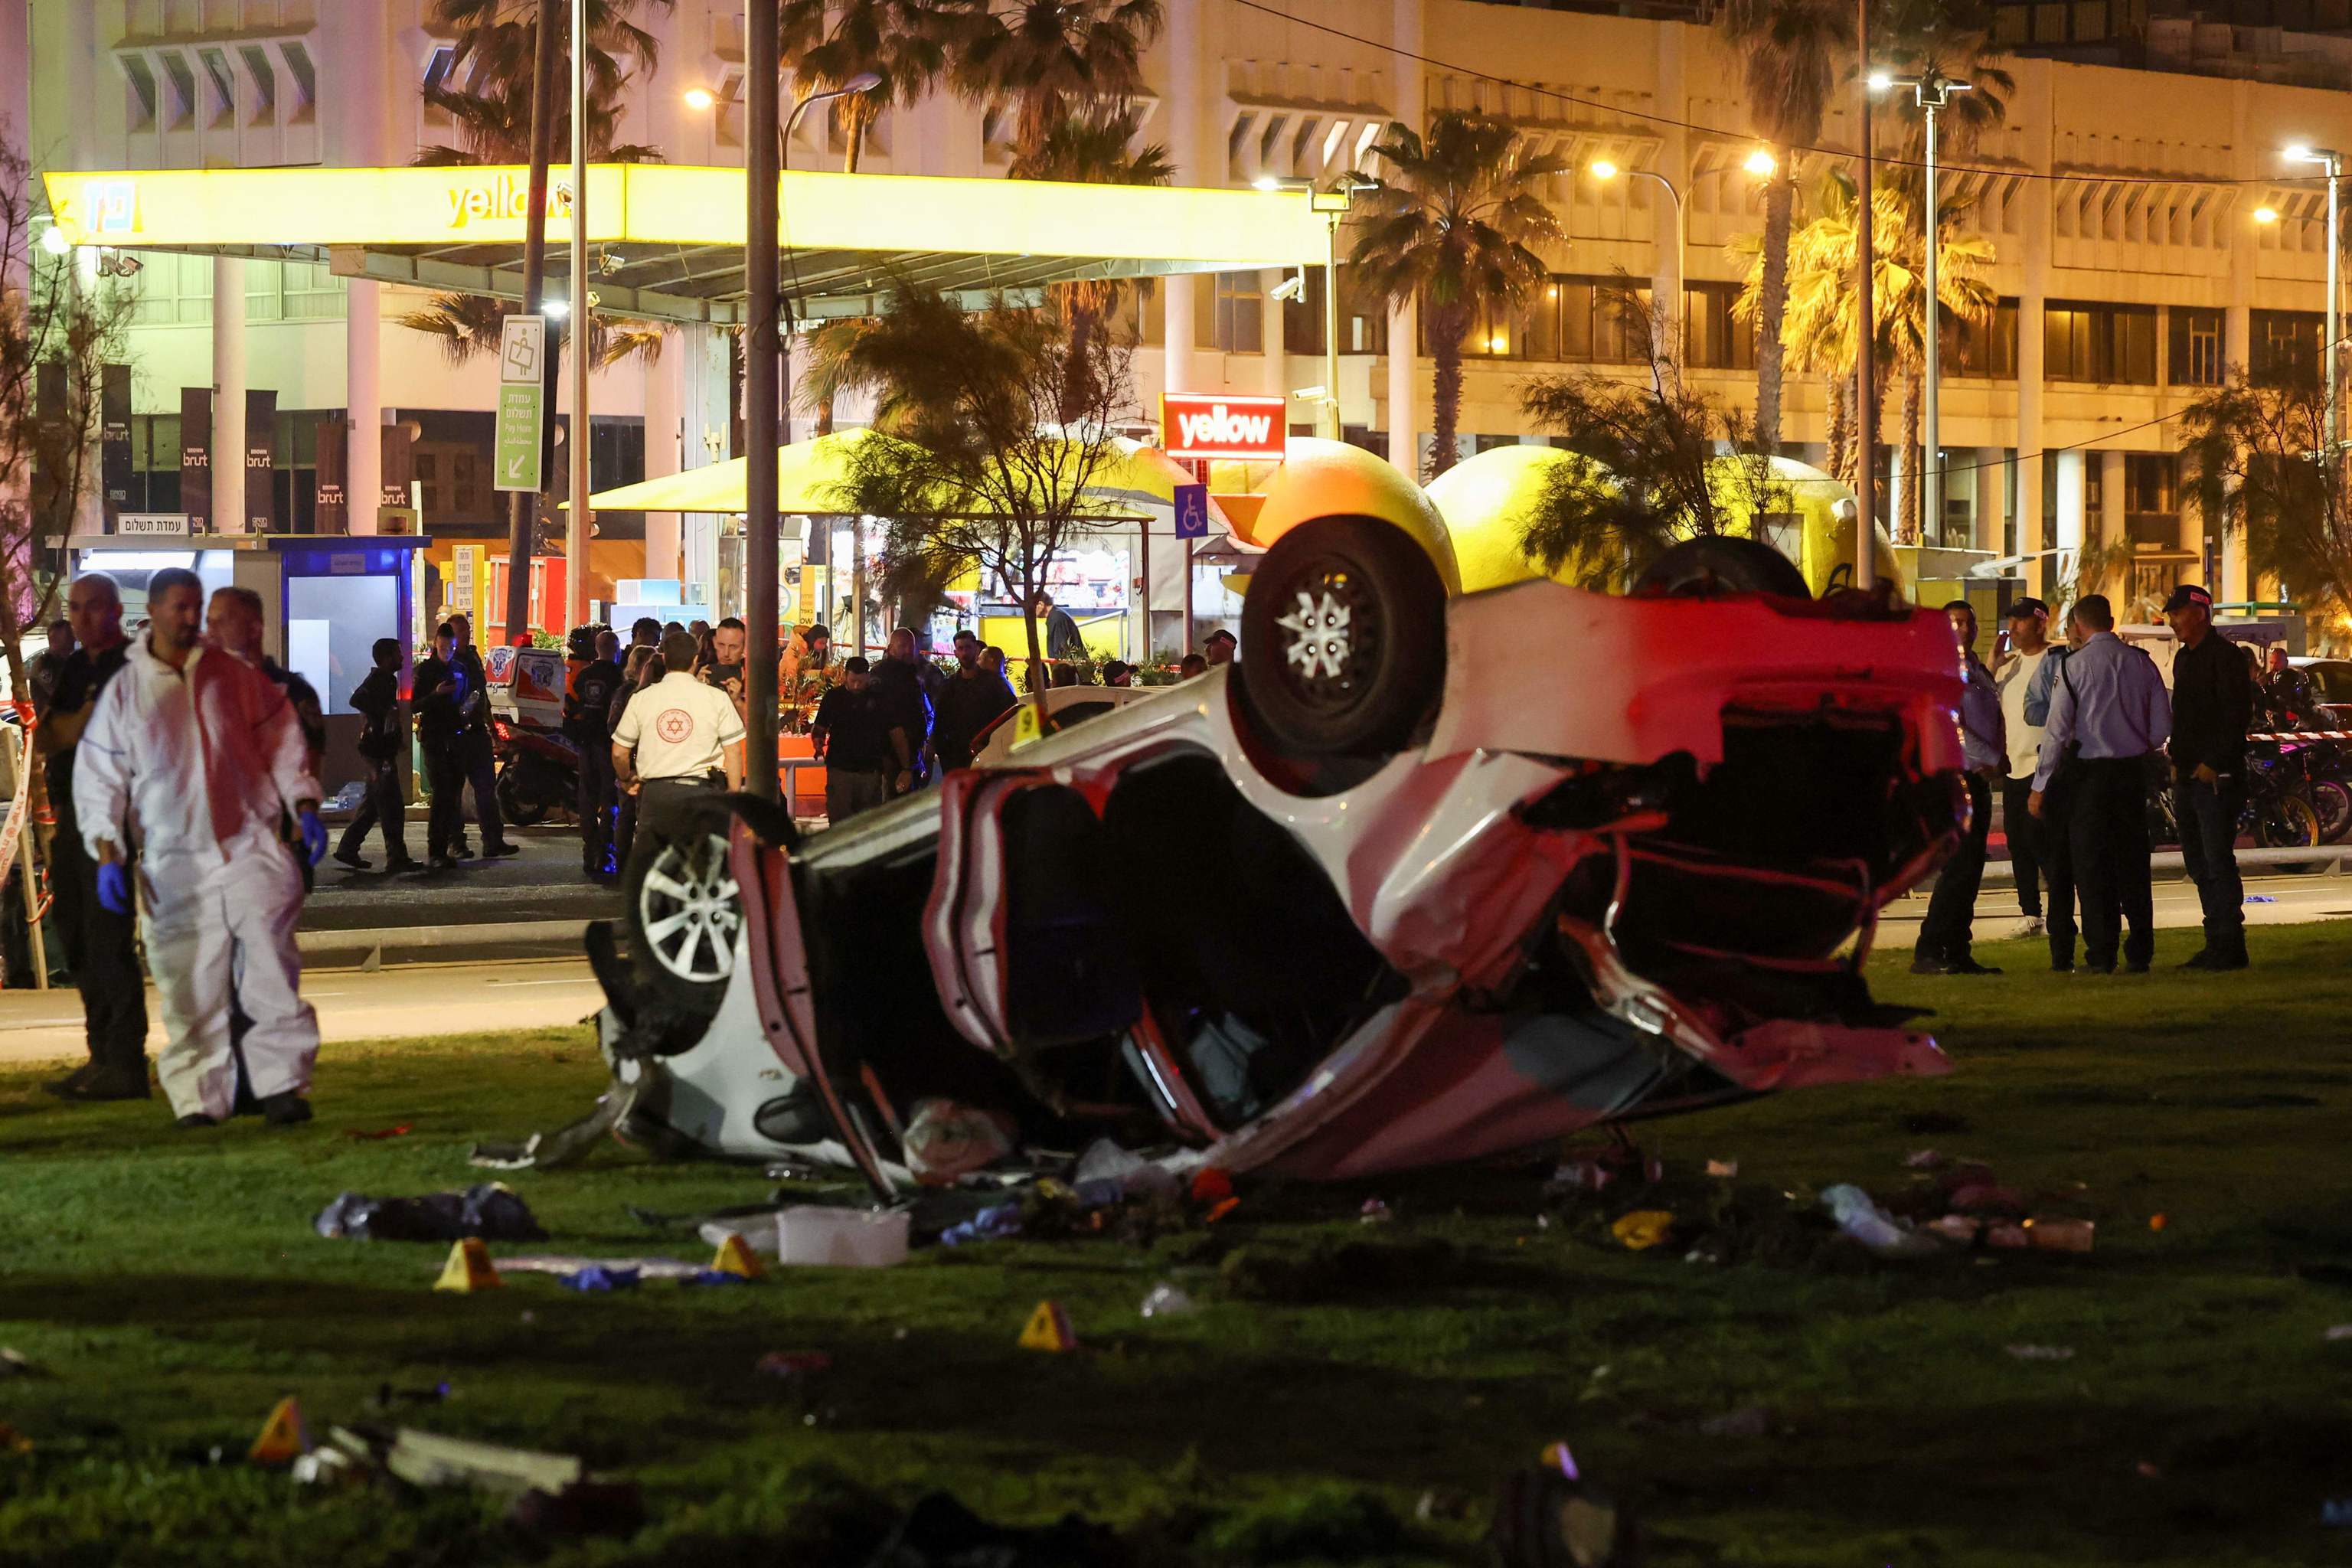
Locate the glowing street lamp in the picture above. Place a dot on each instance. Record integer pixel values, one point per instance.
(700, 98)
(1762, 165)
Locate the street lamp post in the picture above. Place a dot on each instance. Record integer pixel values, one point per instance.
(579, 528)
(1334, 205)
(2331, 439)
(1664, 315)
(764, 377)
(1932, 92)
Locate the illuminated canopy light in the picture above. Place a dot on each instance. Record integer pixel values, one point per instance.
(660, 204)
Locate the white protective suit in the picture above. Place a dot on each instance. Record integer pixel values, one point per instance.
(197, 768)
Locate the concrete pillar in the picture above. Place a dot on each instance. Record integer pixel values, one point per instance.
(1187, 115)
(2251, 161)
(1992, 500)
(2111, 512)
(2065, 473)
(2034, 106)
(229, 510)
(665, 440)
(1276, 371)
(1408, 97)
(363, 400)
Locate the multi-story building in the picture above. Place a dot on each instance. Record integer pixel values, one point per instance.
(2120, 200)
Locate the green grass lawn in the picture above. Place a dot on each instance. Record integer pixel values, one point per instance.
(172, 1288)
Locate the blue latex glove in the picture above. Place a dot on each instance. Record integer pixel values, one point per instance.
(314, 836)
(114, 888)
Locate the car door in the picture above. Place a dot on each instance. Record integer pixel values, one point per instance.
(1027, 946)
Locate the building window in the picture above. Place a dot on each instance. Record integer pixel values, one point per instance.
(1714, 337)
(2106, 343)
(1600, 320)
(2195, 348)
(2285, 346)
(443, 61)
(1986, 348)
(258, 72)
(1528, 331)
(184, 90)
(142, 79)
(1302, 318)
(1229, 314)
(2152, 500)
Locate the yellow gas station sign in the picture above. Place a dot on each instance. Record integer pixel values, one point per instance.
(659, 203)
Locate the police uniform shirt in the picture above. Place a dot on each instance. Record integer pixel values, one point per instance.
(678, 727)
(2108, 701)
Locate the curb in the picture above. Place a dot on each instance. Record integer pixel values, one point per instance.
(440, 938)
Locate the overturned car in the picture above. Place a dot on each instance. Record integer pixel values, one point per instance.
(1420, 879)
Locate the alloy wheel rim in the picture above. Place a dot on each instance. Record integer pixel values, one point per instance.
(1331, 635)
(690, 909)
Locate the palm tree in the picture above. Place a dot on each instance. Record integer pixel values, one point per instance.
(1793, 52)
(1822, 328)
(1056, 60)
(827, 44)
(1454, 225)
(494, 61)
(1095, 148)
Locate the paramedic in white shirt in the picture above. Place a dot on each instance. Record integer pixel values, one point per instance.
(196, 758)
(678, 737)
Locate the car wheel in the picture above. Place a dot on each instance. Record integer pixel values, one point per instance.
(685, 910)
(1702, 568)
(1343, 639)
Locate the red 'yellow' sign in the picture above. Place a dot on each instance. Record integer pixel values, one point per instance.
(1204, 425)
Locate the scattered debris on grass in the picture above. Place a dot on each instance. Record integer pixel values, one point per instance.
(1169, 1301)
(1642, 1229)
(596, 1277)
(1861, 1219)
(1374, 1212)
(387, 1397)
(1550, 1517)
(377, 1135)
(1726, 1169)
(2042, 1352)
(946, 1141)
(14, 1363)
(490, 1210)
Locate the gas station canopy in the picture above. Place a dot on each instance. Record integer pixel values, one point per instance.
(668, 242)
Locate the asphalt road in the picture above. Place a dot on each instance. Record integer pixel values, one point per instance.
(410, 1000)
(2271, 900)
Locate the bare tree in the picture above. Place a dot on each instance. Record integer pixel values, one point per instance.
(58, 333)
(981, 469)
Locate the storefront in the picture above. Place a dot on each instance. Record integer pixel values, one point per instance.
(324, 604)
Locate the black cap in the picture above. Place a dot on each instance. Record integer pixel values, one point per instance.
(2185, 594)
(2020, 608)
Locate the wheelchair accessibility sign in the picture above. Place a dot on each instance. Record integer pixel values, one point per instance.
(1191, 512)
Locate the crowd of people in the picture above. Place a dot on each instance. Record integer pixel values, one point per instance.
(2069, 734)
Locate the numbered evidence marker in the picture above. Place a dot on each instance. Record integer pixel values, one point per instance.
(522, 404)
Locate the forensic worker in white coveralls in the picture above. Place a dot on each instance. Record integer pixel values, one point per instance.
(196, 758)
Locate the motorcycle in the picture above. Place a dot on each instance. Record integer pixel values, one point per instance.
(2278, 812)
(2327, 770)
(539, 772)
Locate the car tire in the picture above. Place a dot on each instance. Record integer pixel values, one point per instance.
(683, 909)
(1343, 640)
(1717, 564)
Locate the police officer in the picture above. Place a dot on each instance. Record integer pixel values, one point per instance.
(477, 755)
(1945, 933)
(101, 945)
(2108, 713)
(438, 689)
(2212, 697)
(587, 723)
